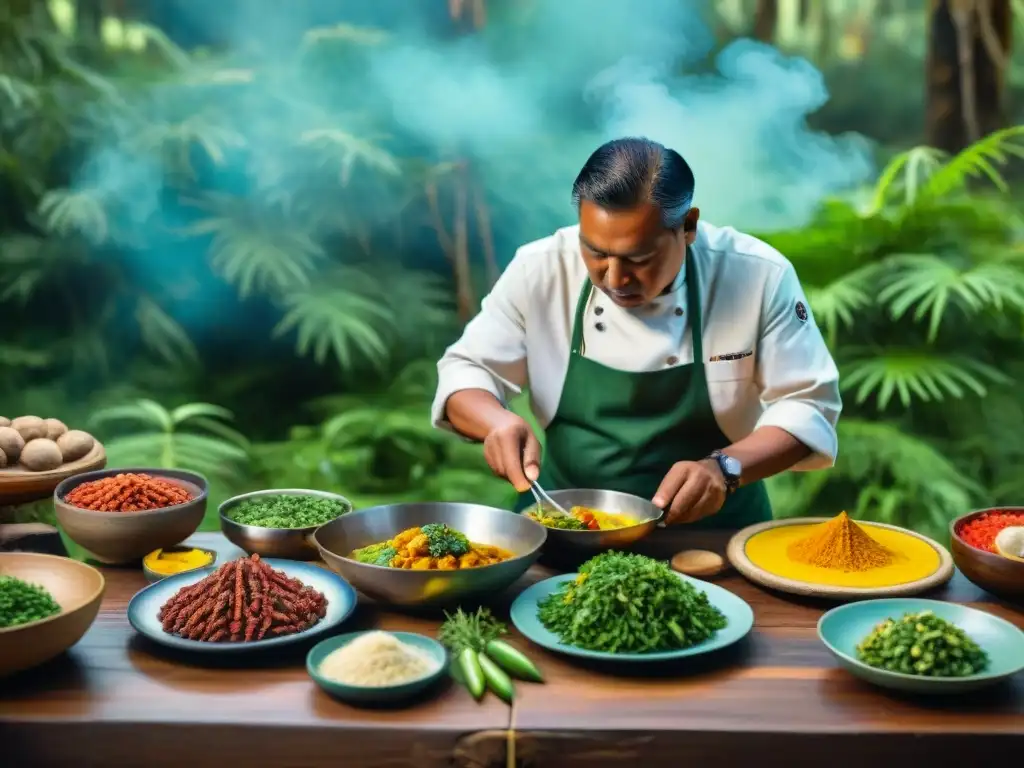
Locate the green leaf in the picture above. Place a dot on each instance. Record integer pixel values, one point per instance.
(66, 212)
(163, 335)
(917, 376)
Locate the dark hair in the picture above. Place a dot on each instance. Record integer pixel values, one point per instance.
(626, 172)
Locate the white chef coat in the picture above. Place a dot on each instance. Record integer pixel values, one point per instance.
(766, 362)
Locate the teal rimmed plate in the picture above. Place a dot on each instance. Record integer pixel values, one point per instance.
(843, 628)
(738, 613)
(385, 694)
(144, 608)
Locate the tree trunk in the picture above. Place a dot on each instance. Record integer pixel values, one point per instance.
(968, 52)
(766, 19)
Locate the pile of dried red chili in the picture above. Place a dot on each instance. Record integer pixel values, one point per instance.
(127, 492)
(982, 530)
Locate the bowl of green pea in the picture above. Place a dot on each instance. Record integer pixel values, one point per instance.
(921, 646)
(281, 522)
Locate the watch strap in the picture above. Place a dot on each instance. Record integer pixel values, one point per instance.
(732, 481)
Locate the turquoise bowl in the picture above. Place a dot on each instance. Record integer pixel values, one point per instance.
(388, 694)
(843, 628)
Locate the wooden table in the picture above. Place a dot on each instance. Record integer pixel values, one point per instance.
(777, 699)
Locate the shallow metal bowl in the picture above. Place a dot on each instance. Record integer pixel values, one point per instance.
(641, 510)
(284, 543)
(483, 525)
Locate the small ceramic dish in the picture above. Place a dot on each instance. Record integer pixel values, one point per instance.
(843, 628)
(153, 576)
(144, 608)
(387, 694)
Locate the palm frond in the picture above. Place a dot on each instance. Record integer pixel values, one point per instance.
(257, 250)
(929, 285)
(913, 375)
(163, 335)
(345, 150)
(66, 212)
(336, 318)
(836, 304)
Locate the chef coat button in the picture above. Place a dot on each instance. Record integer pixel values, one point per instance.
(598, 310)
(599, 326)
(672, 360)
(679, 311)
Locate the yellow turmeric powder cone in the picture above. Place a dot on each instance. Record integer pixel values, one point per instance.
(842, 545)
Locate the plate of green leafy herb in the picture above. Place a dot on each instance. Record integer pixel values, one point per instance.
(630, 608)
(922, 646)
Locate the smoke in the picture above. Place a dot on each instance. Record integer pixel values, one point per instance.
(742, 126)
(527, 99)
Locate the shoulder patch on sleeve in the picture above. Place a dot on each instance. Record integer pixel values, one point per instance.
(801, 312)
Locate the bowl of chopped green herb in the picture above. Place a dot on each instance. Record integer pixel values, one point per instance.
(280, 523)
(46, 604)
(922, 646)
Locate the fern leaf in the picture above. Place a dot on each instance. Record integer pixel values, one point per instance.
(978, 160)
(185, 413)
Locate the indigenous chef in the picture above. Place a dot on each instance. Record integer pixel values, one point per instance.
(665, 357)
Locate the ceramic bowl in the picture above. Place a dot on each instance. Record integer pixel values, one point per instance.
(485, 525)
(77, 588)
(843, 628)
(994, 573)
(284, 543)
(389, 694)
(152, 576)
(641, 510)
(123, 537)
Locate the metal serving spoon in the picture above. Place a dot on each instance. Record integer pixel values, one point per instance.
(542, 498)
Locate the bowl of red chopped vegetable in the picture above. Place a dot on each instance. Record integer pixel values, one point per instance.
(972, 539)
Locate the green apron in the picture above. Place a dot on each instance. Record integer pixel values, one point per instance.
(622, 431)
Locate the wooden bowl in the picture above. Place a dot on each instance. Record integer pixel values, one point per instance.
(997, 574)
(77, 588)
(123, 537)
(19, 486)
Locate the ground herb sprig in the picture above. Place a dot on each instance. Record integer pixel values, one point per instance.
(922, 644)
(286, 511)
(21, 603)
(625, 603)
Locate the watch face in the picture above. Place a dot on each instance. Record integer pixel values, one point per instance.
(731, 466)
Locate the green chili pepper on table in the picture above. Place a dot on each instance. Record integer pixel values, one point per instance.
(497, 680)
(513, 661)
(471, 673)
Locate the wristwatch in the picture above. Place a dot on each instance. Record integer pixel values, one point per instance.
(731, 470)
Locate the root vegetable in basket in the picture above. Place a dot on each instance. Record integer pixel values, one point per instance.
(11, 443)
(40, 455)
(242, 601)
(54, 428)
(30, 427)
(4, 421)
(75, 444)
(3, 459)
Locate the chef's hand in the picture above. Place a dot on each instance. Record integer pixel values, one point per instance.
(513, 452)
(690, 491)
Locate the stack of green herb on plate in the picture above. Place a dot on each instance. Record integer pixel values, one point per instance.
(481, 659)
(22, 603)
(286, 511)
(922, 644)
(625, 603)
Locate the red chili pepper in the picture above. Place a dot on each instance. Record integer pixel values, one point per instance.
(593, 525)
(981, 532)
